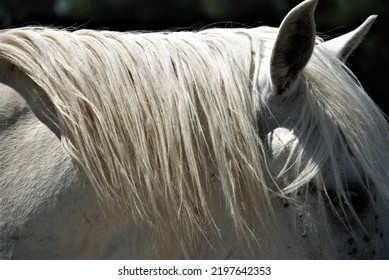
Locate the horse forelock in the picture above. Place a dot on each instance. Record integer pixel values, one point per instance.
(357, 123)
(338, 125)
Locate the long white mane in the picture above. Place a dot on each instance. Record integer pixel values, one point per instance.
(162, 124)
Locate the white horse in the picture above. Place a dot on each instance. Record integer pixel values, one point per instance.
(223, 143)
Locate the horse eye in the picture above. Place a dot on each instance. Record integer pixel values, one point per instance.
(357, 198)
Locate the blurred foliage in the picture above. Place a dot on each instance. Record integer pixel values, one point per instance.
(334, 17)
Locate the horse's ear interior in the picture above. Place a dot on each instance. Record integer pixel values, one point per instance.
(294, 45)
(344, 45)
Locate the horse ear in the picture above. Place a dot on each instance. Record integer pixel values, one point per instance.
(294, 45)
(344, 45)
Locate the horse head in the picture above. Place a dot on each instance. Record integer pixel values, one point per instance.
(316, 142)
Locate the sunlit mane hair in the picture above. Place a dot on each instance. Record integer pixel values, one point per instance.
(156, 119)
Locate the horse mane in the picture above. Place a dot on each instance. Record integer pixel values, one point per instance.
(154, 120)
(164, 123)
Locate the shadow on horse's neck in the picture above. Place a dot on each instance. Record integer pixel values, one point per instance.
(36, 98)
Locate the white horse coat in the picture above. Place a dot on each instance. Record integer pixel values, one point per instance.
(223, 143)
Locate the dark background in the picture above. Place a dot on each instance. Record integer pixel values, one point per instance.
(334, 17)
